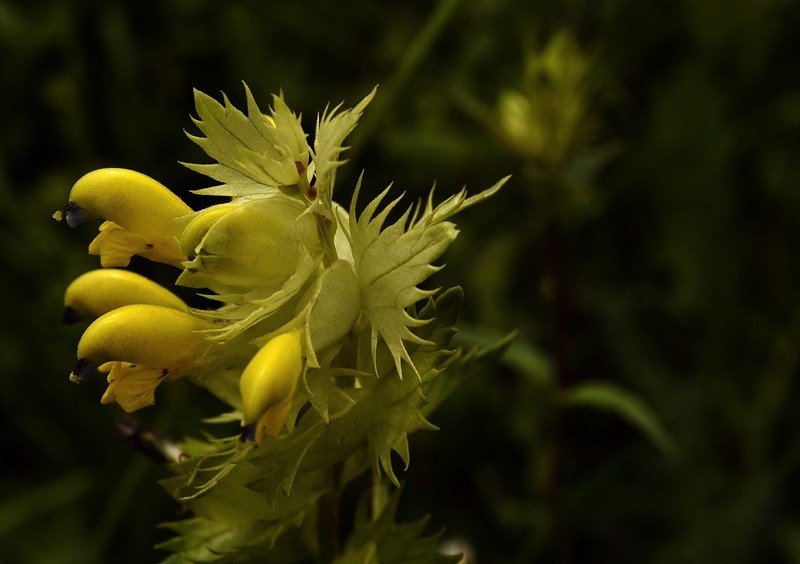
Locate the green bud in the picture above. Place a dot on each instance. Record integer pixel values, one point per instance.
(253, 244)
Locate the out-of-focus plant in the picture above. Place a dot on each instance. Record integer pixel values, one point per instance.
(323, 343)
(549, 124)
(547, 118)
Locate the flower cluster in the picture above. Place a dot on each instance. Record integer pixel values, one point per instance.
(297, 277)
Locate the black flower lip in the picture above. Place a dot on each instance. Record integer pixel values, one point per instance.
(74, 214)
(81, 371)
(71, 315)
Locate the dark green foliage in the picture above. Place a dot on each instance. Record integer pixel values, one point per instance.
(661, 259)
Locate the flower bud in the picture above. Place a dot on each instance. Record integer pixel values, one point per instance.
(198, 227)
(258, 243)
(268, 384)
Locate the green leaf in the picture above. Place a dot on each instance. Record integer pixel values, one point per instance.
(521, 355)
(381, 540)
(377, 418)
(609, 397)
(232, 518)
(249, 149)
(258, 154)
(206, 540)
(214, 540)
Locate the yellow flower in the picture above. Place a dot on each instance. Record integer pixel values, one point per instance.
(140, 212)
(97, 292)
(140, 346)
(268, 384)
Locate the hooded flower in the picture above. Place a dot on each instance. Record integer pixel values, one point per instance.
(140, 346)
(97, 292)
(140, 216)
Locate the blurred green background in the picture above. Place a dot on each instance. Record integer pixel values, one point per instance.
(646, 249)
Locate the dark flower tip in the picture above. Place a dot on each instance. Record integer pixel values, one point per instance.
(70, 316)
(74, 214)
(81, 371)
(248, 434)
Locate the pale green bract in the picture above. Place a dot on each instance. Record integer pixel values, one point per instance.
(332, 129)
(390, 263)
(267, 155)
(253, 151)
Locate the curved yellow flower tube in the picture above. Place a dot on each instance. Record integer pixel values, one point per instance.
(140, 215)
(142, 345)
(97, 292)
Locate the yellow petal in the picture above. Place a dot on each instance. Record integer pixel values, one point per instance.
(147, 335)
(132, 386)
(130, 199)
(116, 246)
(272, 420)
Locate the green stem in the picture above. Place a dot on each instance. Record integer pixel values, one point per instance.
(329, 545)
(329, 526)
(380, 493)
(327, 232)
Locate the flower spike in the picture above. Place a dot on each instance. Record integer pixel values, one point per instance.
(317, 336)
